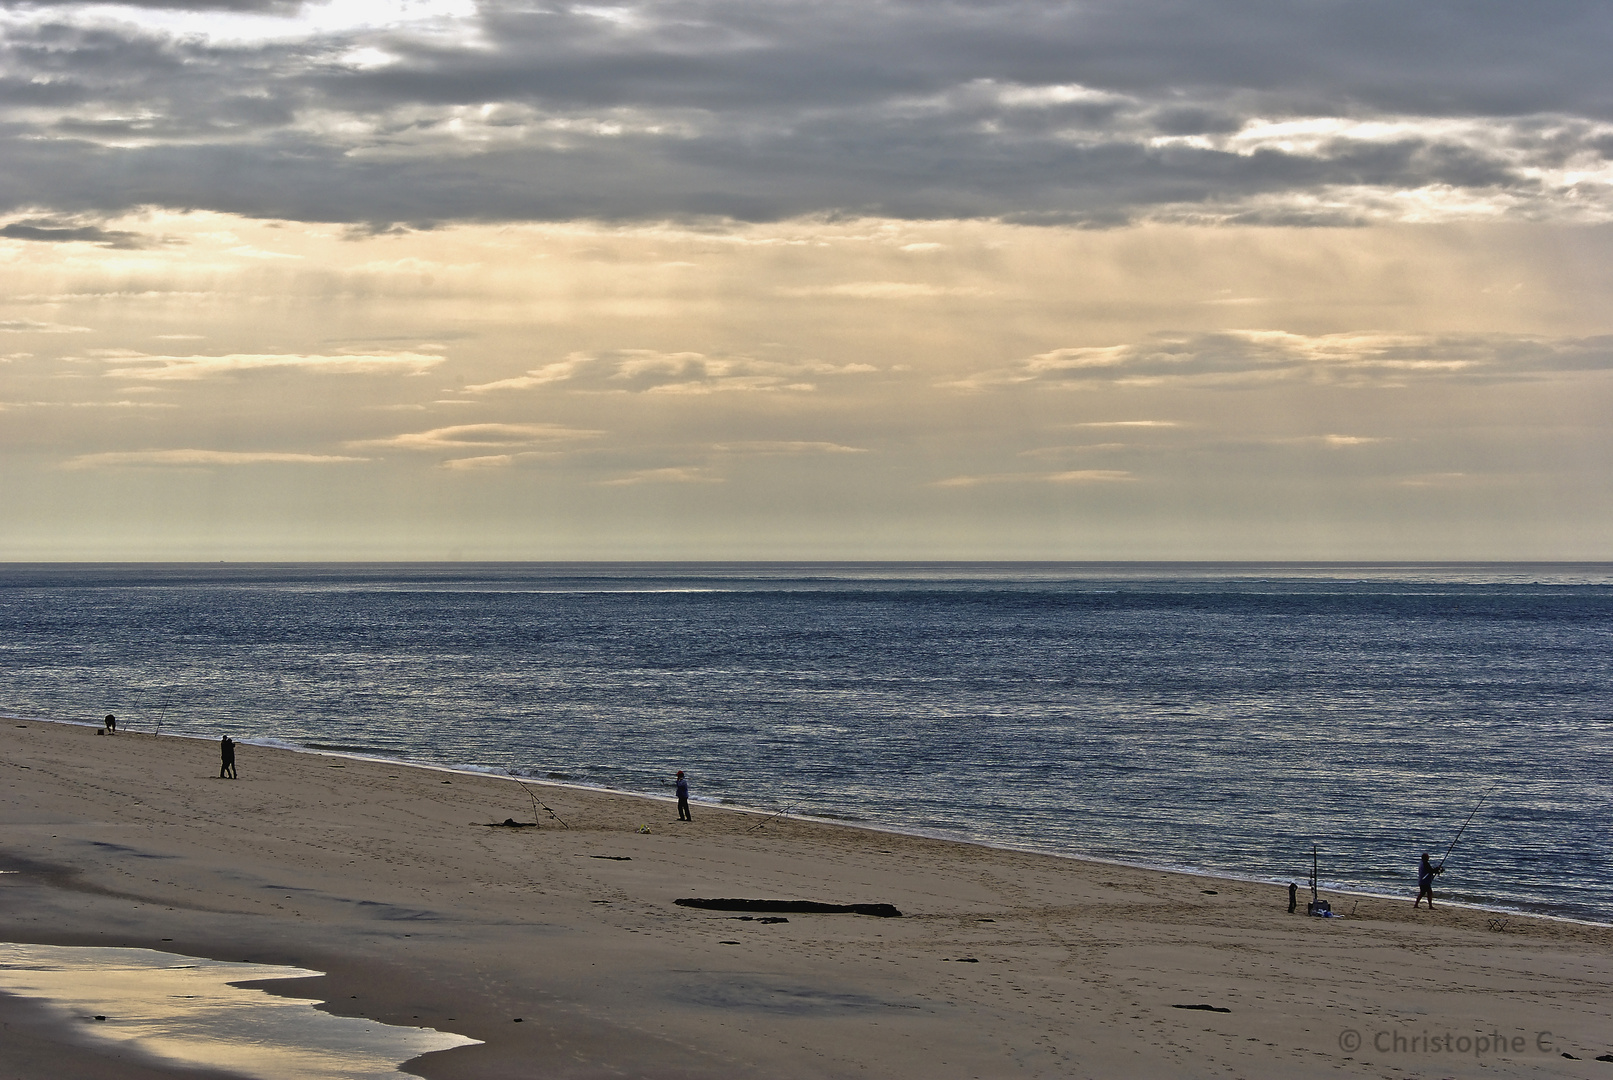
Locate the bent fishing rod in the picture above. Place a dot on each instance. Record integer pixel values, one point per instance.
(1465, 824)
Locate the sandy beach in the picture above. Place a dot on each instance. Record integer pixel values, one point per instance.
(422, 910)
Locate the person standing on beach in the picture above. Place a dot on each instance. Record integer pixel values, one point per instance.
(683, 798)
(226, 752)
(110, 725)
(1425, 882)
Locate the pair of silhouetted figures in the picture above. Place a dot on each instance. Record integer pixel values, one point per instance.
(226, 753)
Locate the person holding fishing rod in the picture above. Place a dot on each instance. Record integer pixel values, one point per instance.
(1425, 881)
(1426, 871)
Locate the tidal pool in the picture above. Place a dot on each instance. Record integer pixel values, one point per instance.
(185, 1010)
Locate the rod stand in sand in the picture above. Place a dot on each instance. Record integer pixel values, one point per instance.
(536, 803)
(1316, 906)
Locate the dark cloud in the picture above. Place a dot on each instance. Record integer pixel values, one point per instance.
(1095, 112)
(1194, 120)
(83, 234)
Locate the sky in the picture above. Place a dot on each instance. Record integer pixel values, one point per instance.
(770, 279)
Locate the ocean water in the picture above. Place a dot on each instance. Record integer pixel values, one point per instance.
(1220, 718)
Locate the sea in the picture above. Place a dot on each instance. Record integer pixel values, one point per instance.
(1232, 719)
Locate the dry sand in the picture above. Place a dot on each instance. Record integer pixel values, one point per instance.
(1005, 964)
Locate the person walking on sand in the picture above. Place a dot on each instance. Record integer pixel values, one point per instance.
(683, 798)
(1425, 882)
(226, 753)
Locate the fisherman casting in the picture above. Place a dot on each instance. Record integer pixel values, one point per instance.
(1427, 870)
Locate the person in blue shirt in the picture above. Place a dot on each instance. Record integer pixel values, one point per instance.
(683, 798)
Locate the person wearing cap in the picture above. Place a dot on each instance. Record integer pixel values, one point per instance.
(683, 798)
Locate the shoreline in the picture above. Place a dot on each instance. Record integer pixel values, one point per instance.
(395, 881)
(938, 835)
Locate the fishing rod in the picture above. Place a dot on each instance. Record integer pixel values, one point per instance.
(537, 802)
(1465, 824)
(764, 821)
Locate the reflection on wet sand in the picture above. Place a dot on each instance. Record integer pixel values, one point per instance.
(184, 1010)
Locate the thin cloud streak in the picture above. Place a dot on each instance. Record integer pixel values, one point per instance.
(189, 368)
(478, 436)
(32, 326)
(201, 459)
(667, 475)
(766, 448)
(1261, 357)
(1068, 476)
(650, 371)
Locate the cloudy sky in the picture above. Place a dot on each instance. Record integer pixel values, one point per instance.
(1146, 279)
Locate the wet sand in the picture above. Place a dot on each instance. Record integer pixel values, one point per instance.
(36, 1042)
(563, 951)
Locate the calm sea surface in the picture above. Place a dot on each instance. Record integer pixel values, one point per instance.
(1221, 718)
